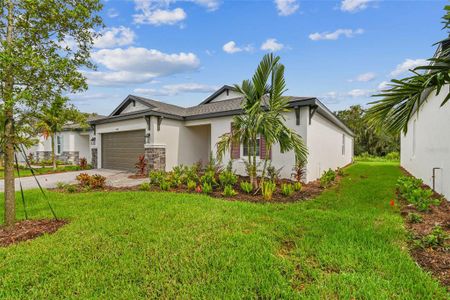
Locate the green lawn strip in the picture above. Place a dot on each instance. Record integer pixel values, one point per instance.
(347, 243)
(41, 171)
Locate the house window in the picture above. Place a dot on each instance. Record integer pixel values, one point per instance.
(414, 139)
(246, 149)
(343, 144)
(58, 144)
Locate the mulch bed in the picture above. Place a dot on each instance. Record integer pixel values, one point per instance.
(436, 261)
(28, 230)
(308, 191)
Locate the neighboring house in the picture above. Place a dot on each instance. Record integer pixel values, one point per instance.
(171, 135)
(425, 148)
(71, 144)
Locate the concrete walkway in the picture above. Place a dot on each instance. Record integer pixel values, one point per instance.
(113, 178)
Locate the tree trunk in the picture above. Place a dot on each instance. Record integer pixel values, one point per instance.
(254, 169)
(10, 199)
(52, 136)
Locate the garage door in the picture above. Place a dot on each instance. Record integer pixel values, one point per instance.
(120, 150)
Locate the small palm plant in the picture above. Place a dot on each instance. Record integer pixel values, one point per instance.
(263, 109)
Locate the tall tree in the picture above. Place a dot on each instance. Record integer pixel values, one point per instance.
(377, 142)
(54, 116)
(405, 96)
(263, 116)
(37, 64)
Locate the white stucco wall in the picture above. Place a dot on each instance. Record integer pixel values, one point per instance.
(325, 147)
(286, 161)
(432, 143)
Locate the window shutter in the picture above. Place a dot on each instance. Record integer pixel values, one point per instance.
(235, 151)
(263, 150)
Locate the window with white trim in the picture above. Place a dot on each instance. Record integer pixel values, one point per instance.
(59, 144)
(246, 149)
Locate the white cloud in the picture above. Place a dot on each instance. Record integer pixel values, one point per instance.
(332, 36)
(231, 48)
(176, 89)
(286, 7)
(356, 93)
(138, 65)
(161, 17)
(365, 77)
(407, 65)
(157, 13)
(354, 5)
(383, 85)
(160, 12)
(271, 45)
(115, 36)
(112, 13)
(211, 5)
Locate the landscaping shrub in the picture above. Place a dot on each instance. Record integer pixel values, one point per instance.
(228, 191)
(394, 156)
(156, 177)
(164, 185)
(297, 186)
(209, 178)
(246, 187)
(435, 239)
(340, 172)
(327, 178)
(61, 185)
(207, 188)
(227, 178)
(410, 189)
(287, 189)
(213, 165)
(145, 186)
(273, 173)
(83, 179)
(141, 165)
(191, 185)
(267, 189)
(83, 163)
(414, 218)
(192, 173)
(97, 181)
(298, 171)
(71, 189)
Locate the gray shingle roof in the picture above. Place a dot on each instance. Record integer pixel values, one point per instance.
(207, 110)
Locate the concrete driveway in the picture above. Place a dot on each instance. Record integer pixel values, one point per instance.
(113, 178)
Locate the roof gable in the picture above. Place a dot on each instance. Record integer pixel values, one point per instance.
(131, 104)
(226, 92)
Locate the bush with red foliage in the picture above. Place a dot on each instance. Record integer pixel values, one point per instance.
(141, 165)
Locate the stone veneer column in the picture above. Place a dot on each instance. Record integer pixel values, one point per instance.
(156, 157)
(94, 158)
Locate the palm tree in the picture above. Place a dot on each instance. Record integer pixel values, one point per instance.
(407, 95)
(54, 117)
(263, 116)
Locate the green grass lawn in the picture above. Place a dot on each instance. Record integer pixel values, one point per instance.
(347, 243)
(40, 171)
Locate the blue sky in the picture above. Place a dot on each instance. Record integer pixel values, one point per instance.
(180, 51)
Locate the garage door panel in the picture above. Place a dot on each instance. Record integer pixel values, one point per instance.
(120, 150)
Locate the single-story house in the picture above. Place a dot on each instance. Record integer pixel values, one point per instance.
(71, 144)
(171, 135)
